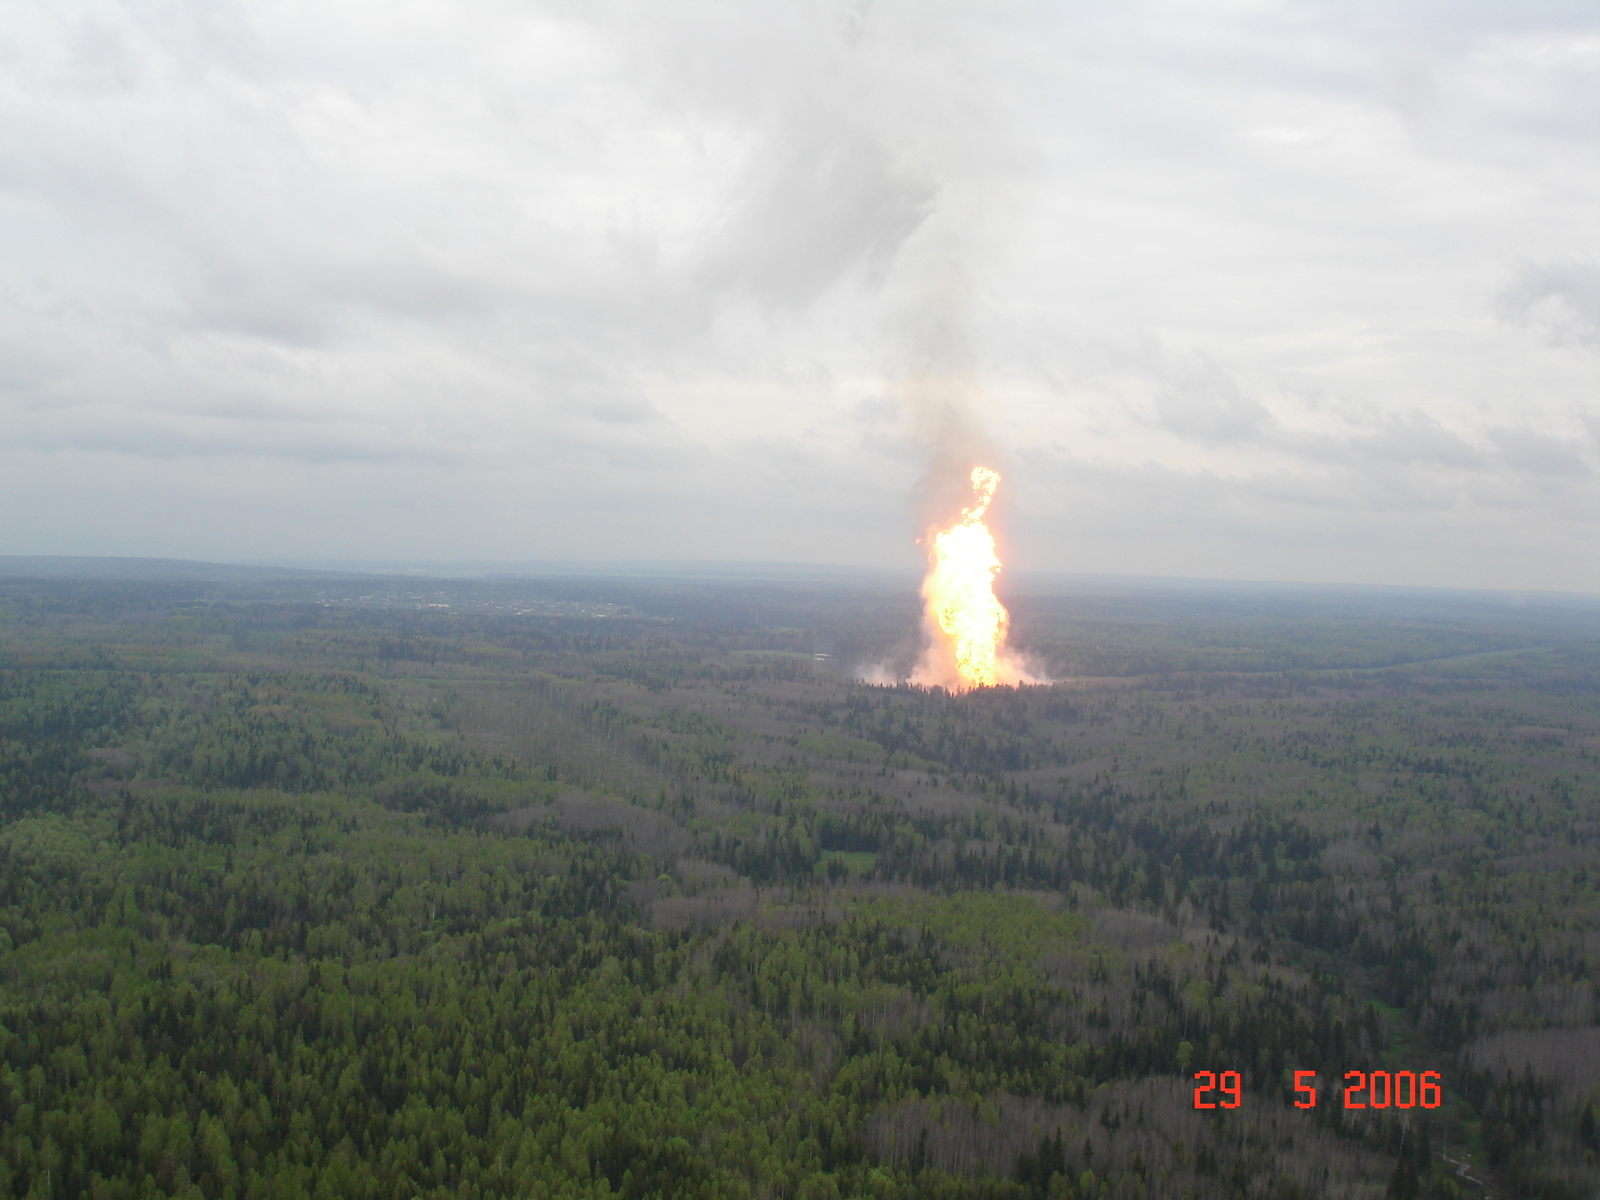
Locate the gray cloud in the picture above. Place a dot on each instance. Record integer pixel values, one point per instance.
(1539, 454)
(818, 203)
(1204, 403)
(1558, 298)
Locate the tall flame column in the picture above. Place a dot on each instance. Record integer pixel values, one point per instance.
(959, 589)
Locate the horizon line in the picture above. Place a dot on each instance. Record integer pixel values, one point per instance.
(749, 569)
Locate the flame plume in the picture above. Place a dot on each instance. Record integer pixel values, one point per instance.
(967, 622)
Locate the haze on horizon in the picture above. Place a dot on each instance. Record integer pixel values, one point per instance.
(1274, 291)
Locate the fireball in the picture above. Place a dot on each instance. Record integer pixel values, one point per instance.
(966, 621)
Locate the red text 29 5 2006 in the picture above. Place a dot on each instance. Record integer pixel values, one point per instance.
(1362, 1089)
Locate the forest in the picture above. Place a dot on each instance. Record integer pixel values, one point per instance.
(322, 886)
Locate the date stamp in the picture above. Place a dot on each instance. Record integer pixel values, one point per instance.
(1362, 1089)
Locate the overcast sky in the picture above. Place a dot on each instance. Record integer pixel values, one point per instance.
(1289, 291)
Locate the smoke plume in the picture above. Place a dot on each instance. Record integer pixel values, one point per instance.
(964, 625)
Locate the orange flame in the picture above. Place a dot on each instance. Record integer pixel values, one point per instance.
(967, 622)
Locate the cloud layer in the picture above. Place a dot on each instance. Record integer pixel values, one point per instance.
(1301, 291)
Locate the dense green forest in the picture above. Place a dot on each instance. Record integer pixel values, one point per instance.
(587, 888)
